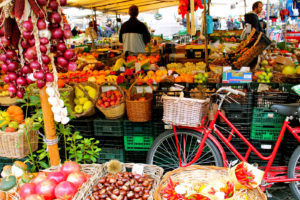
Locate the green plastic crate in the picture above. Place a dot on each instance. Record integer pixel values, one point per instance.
(137, 143)
(137, 128)
(104, 127)
(107, 154)
(266, 116)
(265, 132)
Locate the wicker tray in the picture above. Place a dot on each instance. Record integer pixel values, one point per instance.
(152, 170)
(8, 101)
(205, 174)
(182, 111)
(15, 145)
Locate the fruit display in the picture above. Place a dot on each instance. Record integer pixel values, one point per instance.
(264, 76)
(83, 102)
(4, 90)
(11, 119)
(188, 67)
(231, 39)
(201, 77)
(110, 98)
(61, 184)
(121, 185)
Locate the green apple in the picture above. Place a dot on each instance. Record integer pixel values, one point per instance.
(13, 124)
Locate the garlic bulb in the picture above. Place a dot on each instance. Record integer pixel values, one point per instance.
(50, 91)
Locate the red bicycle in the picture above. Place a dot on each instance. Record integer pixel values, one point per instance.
(185, 146)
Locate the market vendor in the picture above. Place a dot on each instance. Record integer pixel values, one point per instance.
(134, 34)
(252, 18)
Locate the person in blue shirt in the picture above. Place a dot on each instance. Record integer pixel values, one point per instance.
(109, 30)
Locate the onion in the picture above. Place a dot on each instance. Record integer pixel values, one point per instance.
(52, 49)
(69, 54)
(12, 89)
(35, 65)
(21, 81)
(3, 57)
(65, 190)
(4, 67)
(67, 27)
(42, 14)
(61, 47)
(40, 83)
(30, 53)
(28, 26)
(45, 59)
(29, 80)
(6, 79)
(20, 94)
(41, 24)
(45, 68)
(52, 26)
(55, 17)
(25, 44)
(31, 42)
(12, 67)
(43, 48)
(72, 66)
(77, 178)
(57, 33)
(44, 40)
(56, 176)
(5, 42)
(63, 2)
(67, 34)
(42, 2)
(12, 76)
(26, 190)
(39, 75)
(53, 5)
(27, 35)
(46, 188)
(26, 69)
(2, 31)
(10, 54)
(49, 77)
(62, 62)
(8, 61)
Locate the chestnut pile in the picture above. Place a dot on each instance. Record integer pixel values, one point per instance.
(122, 186)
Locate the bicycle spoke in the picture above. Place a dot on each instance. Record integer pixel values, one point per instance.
(170, 156)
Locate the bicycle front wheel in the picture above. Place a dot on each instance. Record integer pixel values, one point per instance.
(163, 152)
(294, 172)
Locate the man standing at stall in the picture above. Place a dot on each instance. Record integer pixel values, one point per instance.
(134, 34)
(252, 17)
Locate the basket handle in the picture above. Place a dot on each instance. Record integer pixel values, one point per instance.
(112, 83)
(134, 83)
(83, 90)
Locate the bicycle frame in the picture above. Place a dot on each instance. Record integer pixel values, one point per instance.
(271, 175)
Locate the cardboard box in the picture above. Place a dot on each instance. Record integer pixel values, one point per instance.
(237, 77)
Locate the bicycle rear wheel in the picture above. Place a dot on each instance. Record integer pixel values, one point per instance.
(294, 172)
(163, 152)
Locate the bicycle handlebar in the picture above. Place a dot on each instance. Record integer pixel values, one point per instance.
(233, 91)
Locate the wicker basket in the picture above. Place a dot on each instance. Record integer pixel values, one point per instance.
(139, 111)
(92, 110)
(152, 170)
(182, 111)
(15, 144)
(205, 174)
(8, 101)
(113, 112)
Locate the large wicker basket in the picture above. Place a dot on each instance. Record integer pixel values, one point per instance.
(116, 111)
(92, 110)
(152, 170)
(139, 111)
(182, 111)
(8, 101)
(205, 174)
(15, 144)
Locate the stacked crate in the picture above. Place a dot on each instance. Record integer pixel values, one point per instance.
(110, 134)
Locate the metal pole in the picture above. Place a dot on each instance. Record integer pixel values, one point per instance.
(245, 6)
(205, 30)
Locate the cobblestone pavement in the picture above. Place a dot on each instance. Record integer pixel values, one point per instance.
(280, 192)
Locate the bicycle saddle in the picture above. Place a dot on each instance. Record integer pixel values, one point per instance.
(287, 109)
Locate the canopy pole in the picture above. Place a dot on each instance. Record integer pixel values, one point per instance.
(245, 6)
(49, 128)
(268, 17)
(205, 31)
